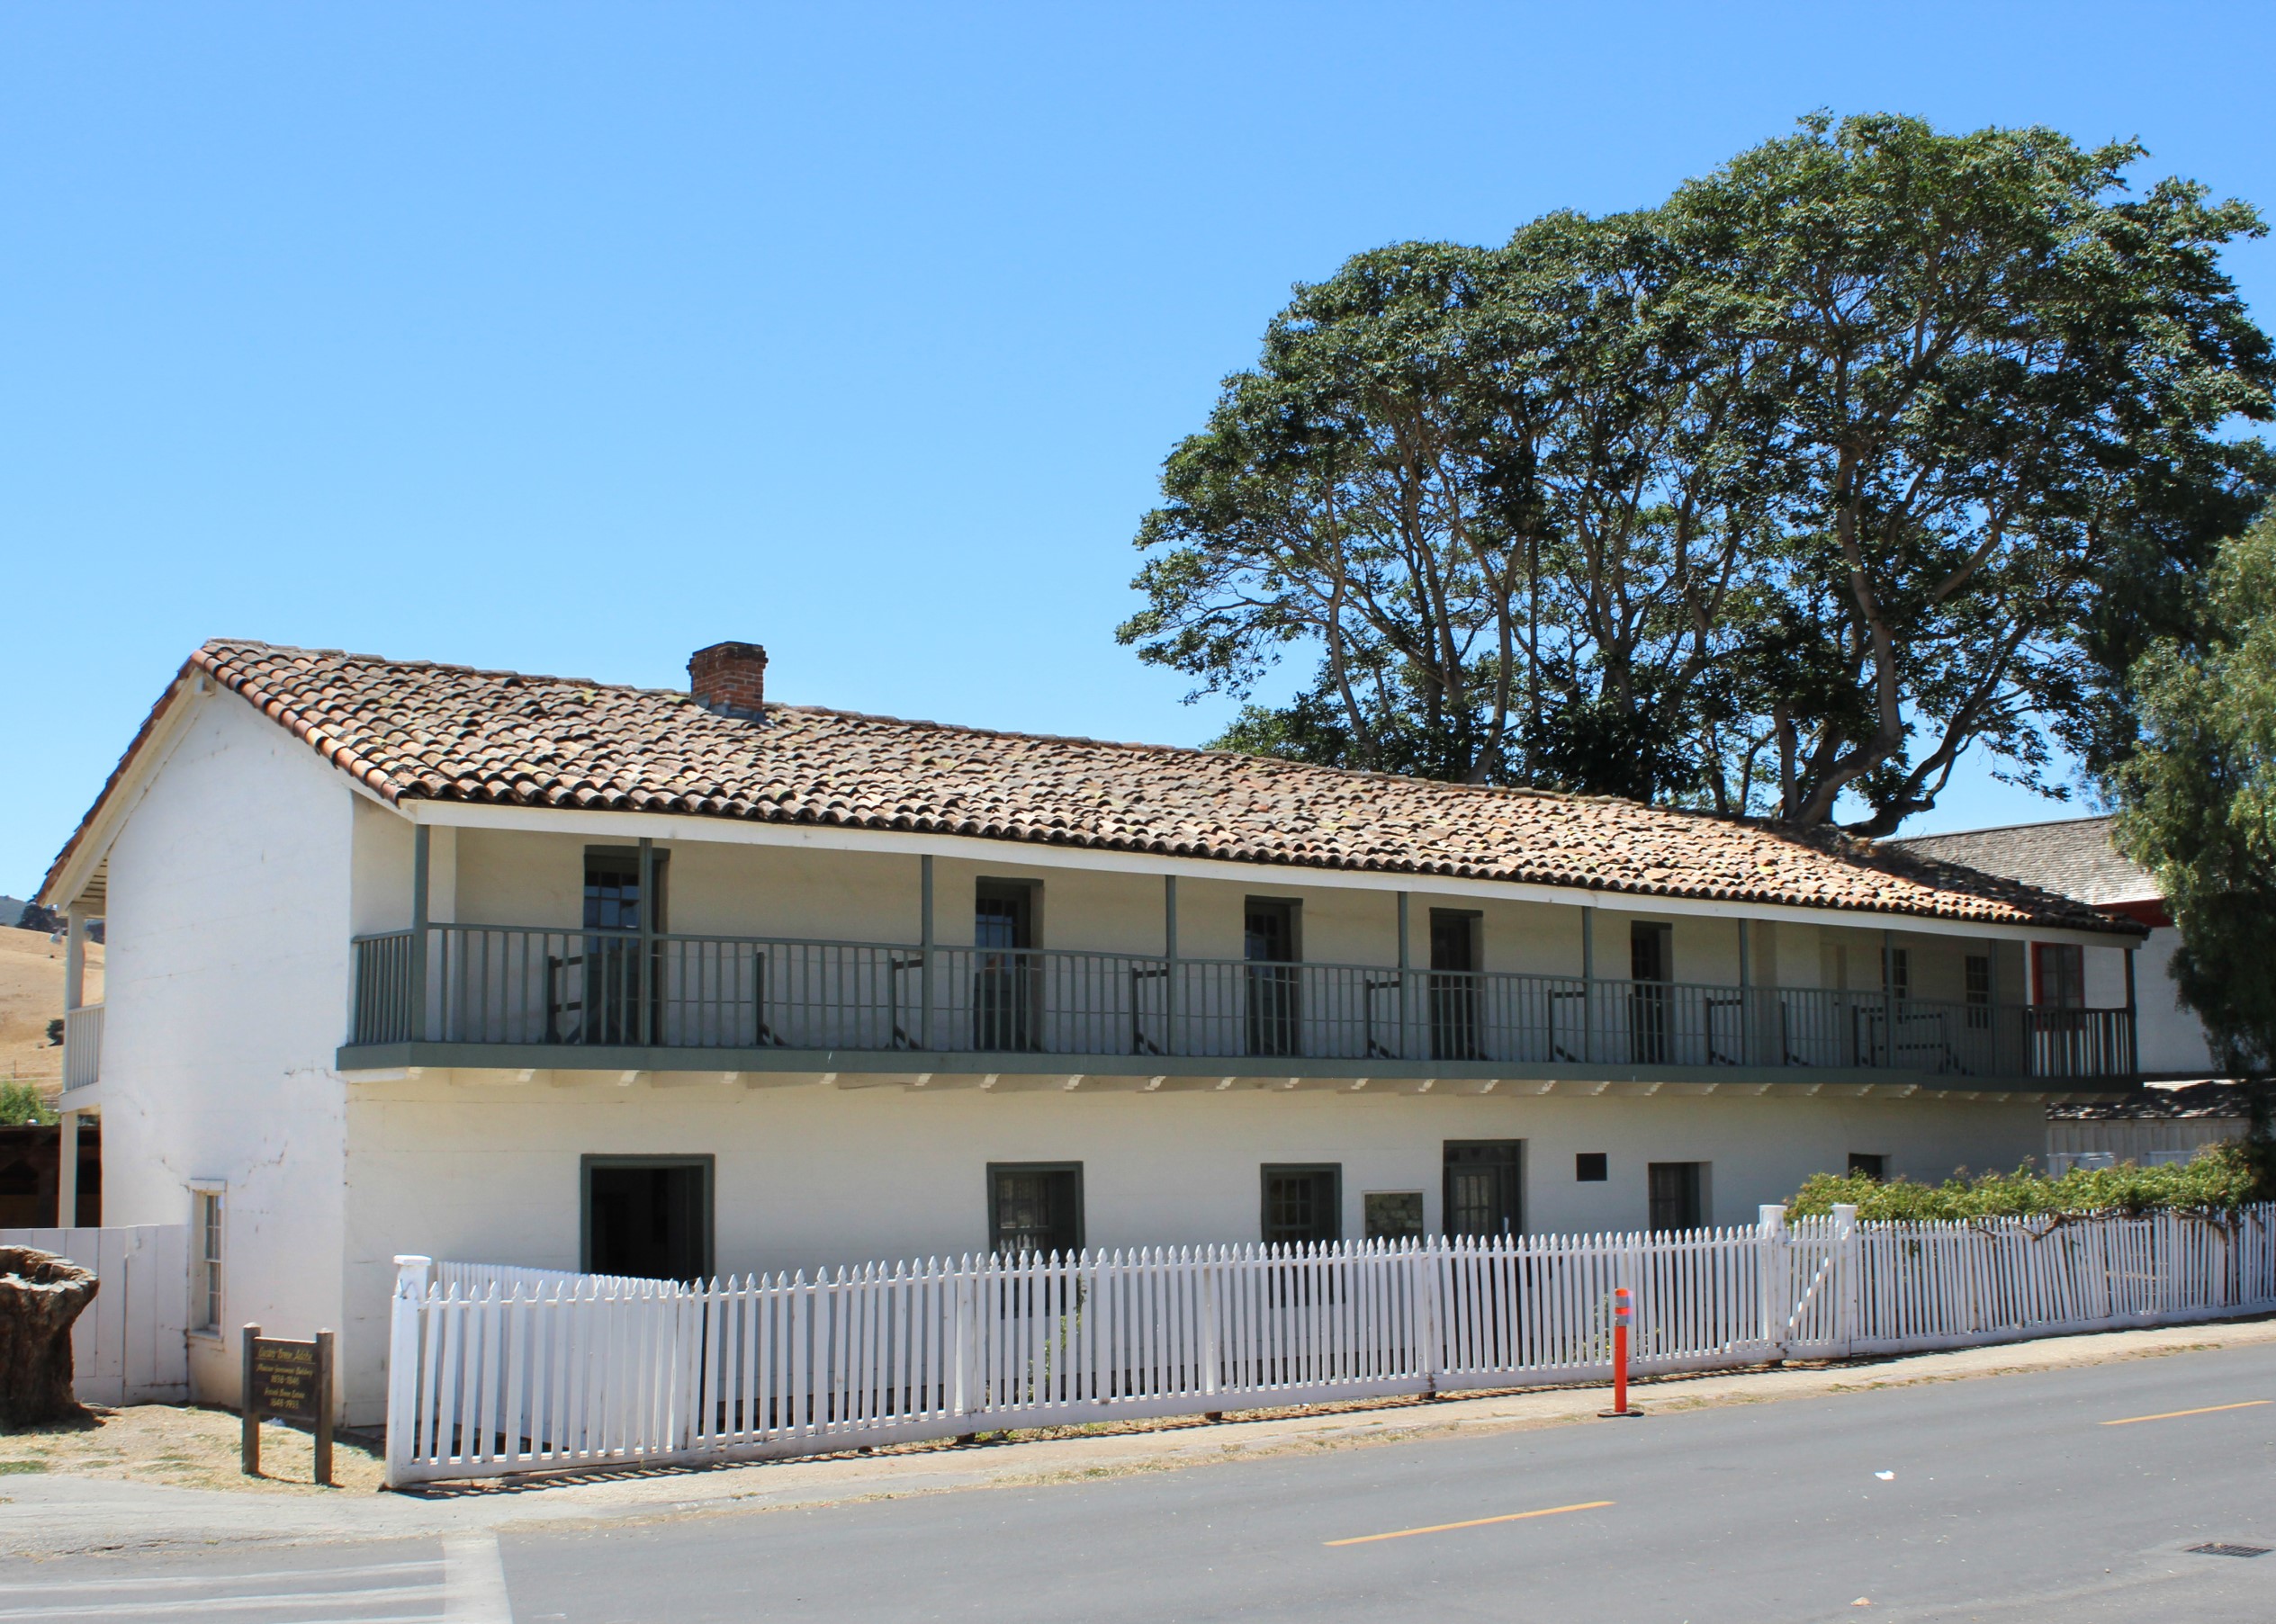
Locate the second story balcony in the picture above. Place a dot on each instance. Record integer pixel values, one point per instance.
(462, 994)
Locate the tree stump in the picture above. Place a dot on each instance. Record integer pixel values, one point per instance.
(40, 1294)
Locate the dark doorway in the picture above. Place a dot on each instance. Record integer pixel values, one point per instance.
(1651, 966)
(1303, 1203)
(597, 994)
(1453, 985)
(1004, 965)
(1035, 1207)
(1678, 1195)
(1484, 1196)
(1268, 942)
(648, 1217)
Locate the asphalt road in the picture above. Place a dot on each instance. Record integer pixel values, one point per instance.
(2005, 1498)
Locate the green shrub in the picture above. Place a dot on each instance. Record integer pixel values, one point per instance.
(2220, 1179)
(23, 1102)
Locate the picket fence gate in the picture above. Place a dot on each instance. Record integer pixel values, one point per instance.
(495, 1369)
(127, 1346)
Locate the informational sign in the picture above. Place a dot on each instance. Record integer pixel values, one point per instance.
(287, 1381)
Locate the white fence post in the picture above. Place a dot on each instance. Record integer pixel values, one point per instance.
(403, 1365)
(1774, 1275)
(1849, 1256)
(1431, 1315)
(960, 1339)
(1212, 1334)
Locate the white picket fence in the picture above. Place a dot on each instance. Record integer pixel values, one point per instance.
(495, 1369)
(127, 1348)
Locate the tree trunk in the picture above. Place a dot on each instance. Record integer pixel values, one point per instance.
(40, 1294)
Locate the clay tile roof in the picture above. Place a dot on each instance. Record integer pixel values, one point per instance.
(416, 731)
(2073, 858)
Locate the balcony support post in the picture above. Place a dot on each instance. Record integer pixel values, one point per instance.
(924, 952)
(646, 1025)
(1888, 998)
(1589, 983)
(1406, 984)
(66, 1172)
(2133, 1020)
(416, 1024)
(1746, 996)
(75, 957)
(1169, 964)
(1991, 998)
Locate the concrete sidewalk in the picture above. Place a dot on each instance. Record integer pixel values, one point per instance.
(57, 1514)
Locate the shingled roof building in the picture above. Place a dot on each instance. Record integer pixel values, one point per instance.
(407, 958)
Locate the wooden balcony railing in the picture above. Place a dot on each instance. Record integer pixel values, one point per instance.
(83, 1047)
(512, 985)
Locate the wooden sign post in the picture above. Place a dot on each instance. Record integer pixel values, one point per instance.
(291, 1381)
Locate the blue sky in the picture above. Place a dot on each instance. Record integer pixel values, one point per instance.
(570, 338)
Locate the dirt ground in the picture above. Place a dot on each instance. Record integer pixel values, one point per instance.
(30, 996)
(184, 1447)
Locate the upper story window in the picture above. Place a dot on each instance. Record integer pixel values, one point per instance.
(612, 888)
(1003, 915)
(1651, 951)
(1268, 932)
(2058, 970)
(1979, 991)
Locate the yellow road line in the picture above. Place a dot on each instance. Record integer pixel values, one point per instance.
(2176, 1414)
(1441, 1527)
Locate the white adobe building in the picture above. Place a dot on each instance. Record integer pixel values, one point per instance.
(404, 957)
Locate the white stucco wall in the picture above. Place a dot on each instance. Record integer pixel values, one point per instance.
(811, 1175)
(227, 924)
(2173, 1039)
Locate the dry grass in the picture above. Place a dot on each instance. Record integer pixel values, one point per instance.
(30, 996)
(183, 1447)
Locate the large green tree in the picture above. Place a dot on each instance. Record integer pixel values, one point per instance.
(1791, 491)
(2198, 797)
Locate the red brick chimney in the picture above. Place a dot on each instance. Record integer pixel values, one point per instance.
(729, 678)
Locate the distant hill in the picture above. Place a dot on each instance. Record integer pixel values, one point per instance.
(31, 916)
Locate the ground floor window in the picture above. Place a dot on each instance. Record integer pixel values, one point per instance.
(1035, 1207)
(1591, 1167)
(205, 1236)
(648, 1217)
(1872, 1167)
(1394, 1214)
(1678, 1195)
(1483, 1193)
(1303, 1203)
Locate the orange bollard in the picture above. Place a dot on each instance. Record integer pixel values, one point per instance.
(1621, 1315)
